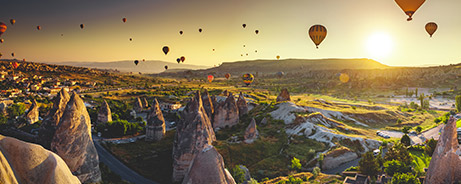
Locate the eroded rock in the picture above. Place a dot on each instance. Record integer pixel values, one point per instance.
(155, 128)
(251, 133)
(226, 113)
(104, 113)
(242, 105)
(33, 114)
(283, 96)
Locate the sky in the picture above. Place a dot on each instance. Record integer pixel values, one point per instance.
(375, 29)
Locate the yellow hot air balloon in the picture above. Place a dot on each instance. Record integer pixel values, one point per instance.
(431, 27)
(409, 6)
(248, 79)
(317, 34)
(278, 57)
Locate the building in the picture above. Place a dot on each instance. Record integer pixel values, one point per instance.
(170, 106)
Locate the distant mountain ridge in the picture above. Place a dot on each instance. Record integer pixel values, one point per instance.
(148, 66)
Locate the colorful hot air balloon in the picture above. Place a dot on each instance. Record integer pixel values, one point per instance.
(256, 31)
(124, 19)
(180, 32)
(1, 40)
(200, 30)
(136, 62)
(278, 57)
(3, 28)
(165, 49)
(82, 26)
(166, 67)
(409, 6)
(178, 60)
(183, 58)
(431, 27)
(317, 34)
(244, 25)
(228, 75)
(15, 65)
(12, 21)
(210, 78)
(39, 28)
(248, 78)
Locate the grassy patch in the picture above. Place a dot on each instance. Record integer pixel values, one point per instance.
(420, 160)
(307, 178)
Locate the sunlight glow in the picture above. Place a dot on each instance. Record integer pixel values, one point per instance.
(379, 45)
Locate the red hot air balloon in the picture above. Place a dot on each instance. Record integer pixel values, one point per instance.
(210, 78)
(12, 21)
(183, 59)
(39, 28)
(228, 75)
(3, 28)
(124, 19)
(15, 65)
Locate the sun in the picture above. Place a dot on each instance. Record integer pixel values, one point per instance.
(379, 45)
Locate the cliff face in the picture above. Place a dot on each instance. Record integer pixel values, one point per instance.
(193, 132)
(72, 141)
(31, 163)
(445, 166)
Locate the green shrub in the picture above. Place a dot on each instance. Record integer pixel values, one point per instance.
(238, 174)
(405, 179)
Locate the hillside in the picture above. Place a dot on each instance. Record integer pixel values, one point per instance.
(128, 66)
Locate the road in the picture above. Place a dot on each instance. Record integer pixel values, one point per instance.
(119, 168)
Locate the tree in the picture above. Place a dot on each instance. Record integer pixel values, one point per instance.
(421, 100)
(17, 109)
(396, 167)
(430, 146)
(238, 174)
(406, 129)
(295, 164)
(405, 179)
(405, 140)
(419, 129)
(368, 165)
(458, 103)
(398, 152)
(315, 172)
(416, 92)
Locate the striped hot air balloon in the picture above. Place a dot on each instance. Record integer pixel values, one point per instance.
(317, 34)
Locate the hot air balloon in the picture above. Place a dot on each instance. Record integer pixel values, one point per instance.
(409, 6)
(200, 30)
(243, 45)
(62, 34)
(1, 55)
(228, 75)
(136, 62)
(317, 34)
(248, 78)
(1, 40)
(180, 32)
(280, 74)
(131, 39)
(23, 60)
(12, 21)
(124, 19)
(143, 60)
(247, 54)
(278, 57)
(210, 78)
(344, 78)
(213, 49)
(165, 49)
(183, 58)
(241, 54)
(256, 31)
(256, 51)
(166, 67)
(39, 27)
(82, 26)
(12, 54)
(178, 60)
(15, 65)
(431, 27)
(3, 28)
(244, 25)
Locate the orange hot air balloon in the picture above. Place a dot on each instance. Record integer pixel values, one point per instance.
(1, 40)
(39, 28)
(124, 19)
(183, 59)
(24, 60)
(210, 78)
(431, 27)
(3, 28)
(409, 6)
(278, 57)
(82, 26)
(12, 21)
(1, 55)
(15, 65)
(228, 75)
(317, 34)
(248, 79)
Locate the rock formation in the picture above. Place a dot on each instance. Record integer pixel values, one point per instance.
(72, 141)
(242, 105)
(337, 157)
(251, 133)
(225, 93)
(264, 121)
(207, 104)
(283, 96)
(445, 166)
(145, 104)
(193, 132)
(22, 162)
(226, 113)
(104, 113)
(138, 107)
(155, 128)
(51, 121)
(4, 104)
(215, 104)
(32, 115)
(208, 167)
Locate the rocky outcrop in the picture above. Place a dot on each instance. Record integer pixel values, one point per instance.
(138, 107)
(193, 132)
(264, 121)
(155, 128)
(32, 115)
(145, 104)
(4, 104)
(445, 166)
(246, 174)
(215, 104)
(207, 104)
(226, 113)
(251, 133)
(22, 162)
(104, 113)
(242, 105)
(208, 167)
(51, 121)
(225, 93)
(337, 157)
(73, 143)
(283, 96)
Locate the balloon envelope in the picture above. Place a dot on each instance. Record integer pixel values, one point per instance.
(15, 65)
(180, 32)
(12, 21)
(317, 34)
(228, 75)
(124, 19)
(166, 67)
(344, 78)
(1, 40)
(39, 27)
(248, 78)
(12, 54)
(431, 27)
(409, 6)
(200, 30)
(278, 57)
(136, 62)
(244, 25)
(3, 28)
(165, 49)
(256, 31)
(178, 60)
(82, 26)
(210, 78)
(183, 58)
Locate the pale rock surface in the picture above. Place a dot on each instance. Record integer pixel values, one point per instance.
(155, 128)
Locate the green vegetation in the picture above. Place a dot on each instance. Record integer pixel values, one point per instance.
(405, 140)
(405, 178)
(396, 167)
(295, 165)
(369, 165)
(443, 119)
(421, 160)
(238, 174)
(430, 146)
(458, 103)
(109, 177)
(120, 128)
(16, 109)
